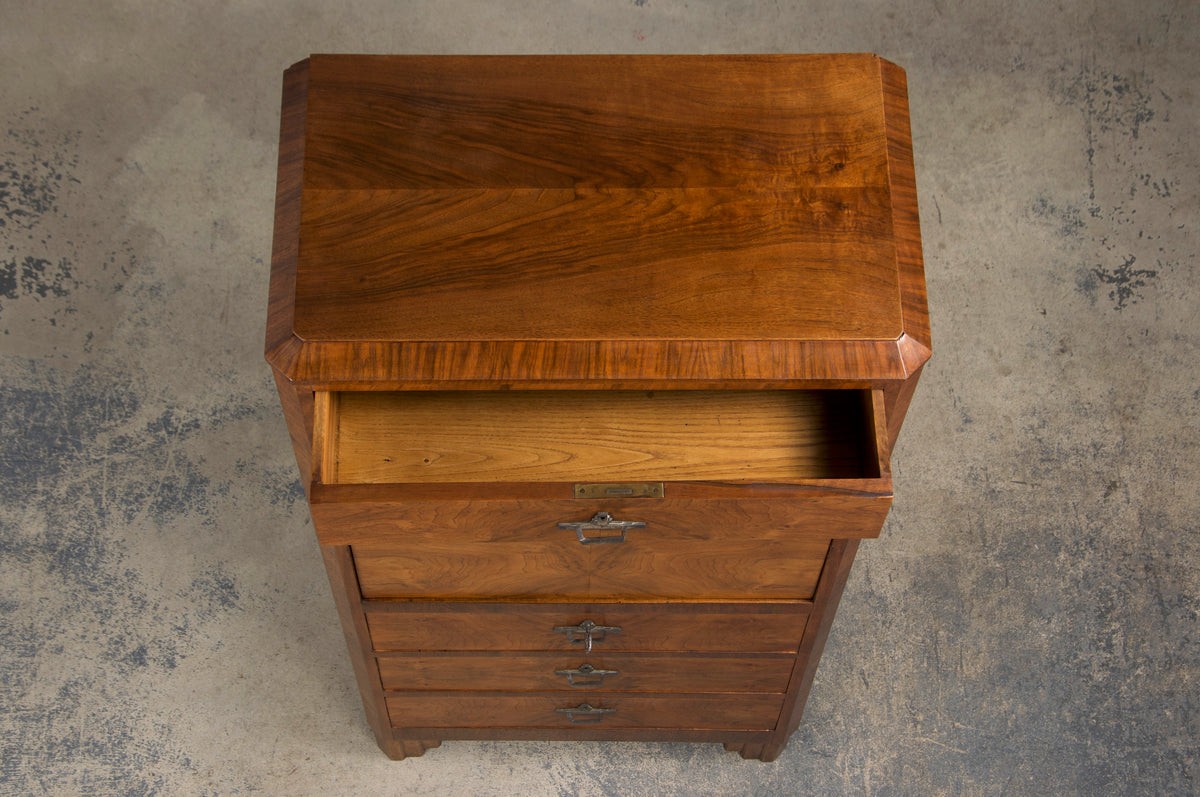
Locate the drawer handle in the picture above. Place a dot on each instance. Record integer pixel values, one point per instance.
(602, 521)
(584, 714)
(586, 633)
(585, 675)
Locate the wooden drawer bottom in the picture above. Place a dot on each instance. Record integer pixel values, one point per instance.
(442, 710)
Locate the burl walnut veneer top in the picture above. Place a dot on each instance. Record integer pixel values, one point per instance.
(596, 220)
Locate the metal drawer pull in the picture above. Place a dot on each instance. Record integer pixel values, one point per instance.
(585, 675)
(585, 713)
(602, 521)
(586, 633)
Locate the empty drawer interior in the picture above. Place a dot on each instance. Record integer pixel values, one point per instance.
(603, 435)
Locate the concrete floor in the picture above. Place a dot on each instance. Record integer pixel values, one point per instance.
(1026, 625)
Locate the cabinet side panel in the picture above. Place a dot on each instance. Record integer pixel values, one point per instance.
(825, 603)
(298, 413)
(916, 342)
(906, 222)
(898, 399)
(339, 565)
(281, 343)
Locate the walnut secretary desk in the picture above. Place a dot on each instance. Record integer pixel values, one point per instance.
(593, 366)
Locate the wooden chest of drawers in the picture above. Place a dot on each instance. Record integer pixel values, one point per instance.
(592, 367)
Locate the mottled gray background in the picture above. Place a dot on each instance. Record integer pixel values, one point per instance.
(1026, 625)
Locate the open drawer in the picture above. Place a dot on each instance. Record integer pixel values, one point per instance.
(597, 495)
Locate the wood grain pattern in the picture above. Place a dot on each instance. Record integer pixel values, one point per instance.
(899, 397)
(825, 603)
(561, 264)
(281, 343)
(358, 497)
(562, 223)
(754, 627)
(619, 220)
(601, 120)
(906, 223)
(607, 198)
(615, 364)
(916, 343)
(876, 446)
(340, 569)
(528, 672)
(743, 711)
(549, 563)
(297, 407)
(599, 436)
(454, 569)
(782, 514)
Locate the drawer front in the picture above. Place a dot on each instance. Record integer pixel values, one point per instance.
(416, 515)
(750, 628)
(466, 503)
(660, 561)
(630, 672)
(743, 712)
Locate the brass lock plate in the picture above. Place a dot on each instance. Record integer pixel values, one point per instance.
(624, 490)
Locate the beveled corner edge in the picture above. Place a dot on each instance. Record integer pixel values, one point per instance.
(906, 222)
(913, 353)
(283, 347)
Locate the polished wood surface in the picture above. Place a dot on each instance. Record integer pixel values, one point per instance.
(825, 604)
(599, 436)
(631, 672)
(448, 710)
(589, 220)
(282, 344)
(388, 515)
(769, 121)
(916, 343)
(339, 567)
(717, 214)
(906, 224)
(617, 364)
(523, 263)
(482, 265)
(751, 627)
(298, 409)
(550, 564)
